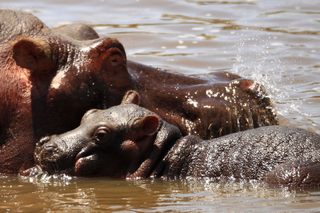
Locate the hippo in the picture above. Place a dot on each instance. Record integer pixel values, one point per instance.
(239, 103)
(47, 83)
(129, 141)
(48, 80)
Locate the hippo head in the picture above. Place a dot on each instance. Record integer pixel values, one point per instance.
(111, 142)
(69, 77)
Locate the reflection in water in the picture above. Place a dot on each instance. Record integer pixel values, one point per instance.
(207, 2)
(81, 194)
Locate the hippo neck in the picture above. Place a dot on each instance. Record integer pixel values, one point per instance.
(164, 141)
(152, 77)
(63, 52)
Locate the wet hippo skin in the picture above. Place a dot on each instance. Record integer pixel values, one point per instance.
(208, 105)
(47, 83)
(49, 80)
(128, 141)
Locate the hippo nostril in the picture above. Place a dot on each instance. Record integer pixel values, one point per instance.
(50, 147)
(43, 140)
(115, 59)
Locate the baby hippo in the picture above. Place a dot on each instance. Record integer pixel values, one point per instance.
(128, 141)
(122, 141)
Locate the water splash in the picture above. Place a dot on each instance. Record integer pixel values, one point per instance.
(258, 59)
(227, 187)
(39, 177)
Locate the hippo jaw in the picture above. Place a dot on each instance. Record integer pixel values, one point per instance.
(72, 154)
(91, 158)
(118, 161)
(52, 155)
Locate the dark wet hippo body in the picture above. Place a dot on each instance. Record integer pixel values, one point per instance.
(275, 154)
(130, 146)
(208, 105)
(48, 80)
(208, 108)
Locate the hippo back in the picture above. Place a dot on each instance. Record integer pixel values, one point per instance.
(15, 23)
(275, 154)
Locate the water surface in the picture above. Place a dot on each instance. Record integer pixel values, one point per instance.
(274, 42)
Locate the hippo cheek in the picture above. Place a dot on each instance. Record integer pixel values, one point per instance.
(138, 149)
(96, 161)
(100, 164)
(88, 161)
(131, 148)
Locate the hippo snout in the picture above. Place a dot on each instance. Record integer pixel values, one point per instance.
(51, 144)
(47, 148)
(49, 151)
(72, 151)
(43, 140)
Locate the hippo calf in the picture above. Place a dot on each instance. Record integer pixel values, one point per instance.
(128, 141)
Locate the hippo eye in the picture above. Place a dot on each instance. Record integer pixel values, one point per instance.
(101, 133)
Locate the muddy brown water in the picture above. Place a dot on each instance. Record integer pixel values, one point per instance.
(274, 42)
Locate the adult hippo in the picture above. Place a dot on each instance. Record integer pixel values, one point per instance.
(208, 105)
(49, 80)
(128, 141)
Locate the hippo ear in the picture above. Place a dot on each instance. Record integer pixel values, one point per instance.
(131, 97)
(33, 54)
(148, 125)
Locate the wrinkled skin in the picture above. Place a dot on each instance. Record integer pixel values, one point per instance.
(49, 79)
(277, 155)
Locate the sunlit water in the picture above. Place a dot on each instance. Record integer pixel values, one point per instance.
(274, 42)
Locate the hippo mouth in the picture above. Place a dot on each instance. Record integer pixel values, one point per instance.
(54, 156)
(87, 160)
(84, 163)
